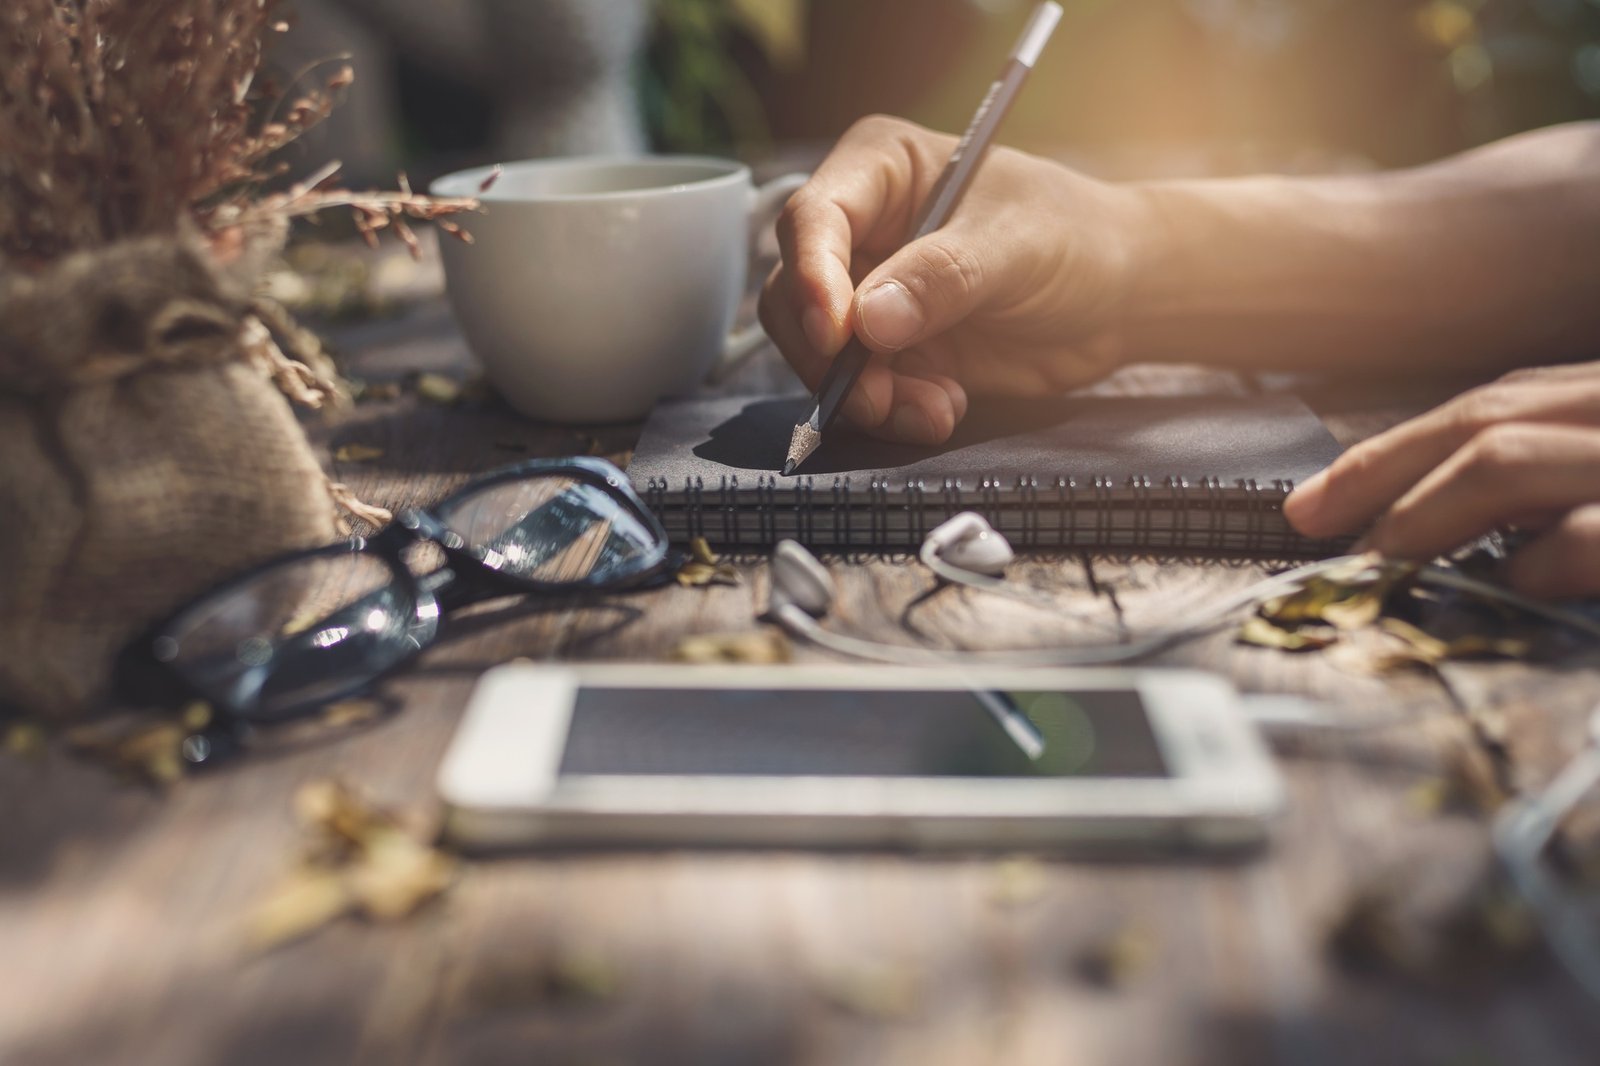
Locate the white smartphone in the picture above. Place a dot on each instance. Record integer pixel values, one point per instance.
(856, 757)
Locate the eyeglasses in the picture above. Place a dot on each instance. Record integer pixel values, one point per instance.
(307, 629)
(1526, 842)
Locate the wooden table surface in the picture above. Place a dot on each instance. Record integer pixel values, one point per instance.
(121, 906)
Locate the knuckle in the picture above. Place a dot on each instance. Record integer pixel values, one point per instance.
(1522, 375)
(952, 270)
(1496, 452)
(1482, 408)
(873, 128)
(794, 212)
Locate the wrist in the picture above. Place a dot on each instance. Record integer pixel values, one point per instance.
(1225, 267)
(1178, 249)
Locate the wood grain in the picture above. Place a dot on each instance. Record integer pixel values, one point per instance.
(120, 908)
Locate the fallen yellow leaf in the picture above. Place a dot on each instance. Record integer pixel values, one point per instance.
(755, 646)
(25, 740)
(436, 388)
(882, 990)
(705, 568)
(1120, 956)
(357, 453)
(357, 858)
(302, 903)
(1262, 633)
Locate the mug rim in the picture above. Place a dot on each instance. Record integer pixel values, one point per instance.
(466, 182)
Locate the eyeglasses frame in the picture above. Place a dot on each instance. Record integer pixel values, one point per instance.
(144, 676)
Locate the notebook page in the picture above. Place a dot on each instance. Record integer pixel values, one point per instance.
(1264, 438)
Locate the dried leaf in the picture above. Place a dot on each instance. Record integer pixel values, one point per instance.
(572, 975)
(25, 740)
(1124, 954)
(1429, 797)
(304, 902)
(700, 549)
(335, 815)
(357, 453)
(1424, 650)
(1017, 882)
(1479, 646)
(1262, 633)
(705, 568)
(196, 715)
(1347, 597)
(436, 388)
(137, 749)
(357, 858)
(351, 712)
(754, 646)
(378, 392)
(1421, 649)
(583, 974)
(698, 575)
(397, 874)
(884, 991)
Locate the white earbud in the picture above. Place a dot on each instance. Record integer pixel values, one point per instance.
(799, 578)
(968, 542)
(802, 591)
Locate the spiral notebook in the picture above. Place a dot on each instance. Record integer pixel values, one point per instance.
(1183, 475)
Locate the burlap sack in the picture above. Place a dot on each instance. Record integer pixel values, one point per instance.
(142, 458)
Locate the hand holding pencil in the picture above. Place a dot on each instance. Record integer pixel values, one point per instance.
(1011, 294)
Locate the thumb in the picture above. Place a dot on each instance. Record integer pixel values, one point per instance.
(920, 291)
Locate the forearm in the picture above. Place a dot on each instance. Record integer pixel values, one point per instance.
(1486, 260)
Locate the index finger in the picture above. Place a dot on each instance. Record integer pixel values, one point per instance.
(1364, 481)
(863, 193)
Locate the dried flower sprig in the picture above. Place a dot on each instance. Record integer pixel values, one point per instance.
(123, 118)
(373, 209)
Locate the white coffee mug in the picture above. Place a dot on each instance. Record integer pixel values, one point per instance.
(596, 286)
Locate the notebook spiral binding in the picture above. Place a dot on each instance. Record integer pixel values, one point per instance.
(1136, 516)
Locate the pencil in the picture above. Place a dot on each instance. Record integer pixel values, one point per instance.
(947, 192)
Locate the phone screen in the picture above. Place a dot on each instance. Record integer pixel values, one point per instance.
(861, 733)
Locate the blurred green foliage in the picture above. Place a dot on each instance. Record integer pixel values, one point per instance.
(1393, 81)
(695, 92)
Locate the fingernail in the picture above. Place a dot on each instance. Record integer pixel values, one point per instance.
(889, 316)
(818, 326)
(913, 425)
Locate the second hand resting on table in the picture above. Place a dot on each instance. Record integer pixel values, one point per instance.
(1046, 279)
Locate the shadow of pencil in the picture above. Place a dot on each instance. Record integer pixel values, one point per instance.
(762, 429)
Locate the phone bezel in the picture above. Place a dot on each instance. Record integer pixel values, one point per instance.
(500, 781)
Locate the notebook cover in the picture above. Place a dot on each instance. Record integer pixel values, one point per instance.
(1264, 438)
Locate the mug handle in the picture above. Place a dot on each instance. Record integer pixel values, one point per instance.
(745, 341)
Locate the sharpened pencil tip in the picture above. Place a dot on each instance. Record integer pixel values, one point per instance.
(802, 444)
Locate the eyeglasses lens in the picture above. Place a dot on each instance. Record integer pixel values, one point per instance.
(554, 529)
(297, 634)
